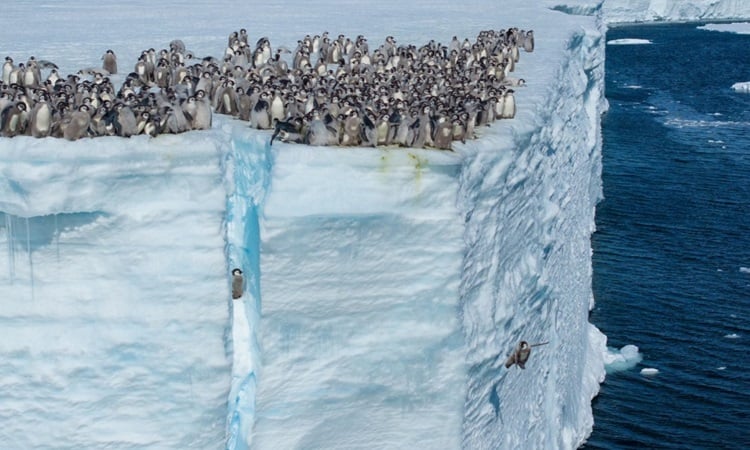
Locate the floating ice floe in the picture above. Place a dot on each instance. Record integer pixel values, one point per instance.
(622, 359)
(744, 269)
(732, 336)
(739, 28)
(721, 368)
(629, 41)
(742, 87)
(649, 371)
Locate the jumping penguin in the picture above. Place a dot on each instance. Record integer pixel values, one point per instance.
(521, 354)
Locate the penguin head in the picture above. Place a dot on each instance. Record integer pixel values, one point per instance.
(236, 272)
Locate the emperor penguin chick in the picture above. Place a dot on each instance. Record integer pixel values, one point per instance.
(109, 62)
(519, 356)
(238, 284)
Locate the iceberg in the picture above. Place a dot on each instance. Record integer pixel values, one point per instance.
(385, 287)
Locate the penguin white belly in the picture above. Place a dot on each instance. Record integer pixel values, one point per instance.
(43, 120)
(277, 109)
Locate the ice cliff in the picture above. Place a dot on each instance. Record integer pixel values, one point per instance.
(629, 11)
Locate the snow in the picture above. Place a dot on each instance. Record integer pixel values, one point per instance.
(385, 288)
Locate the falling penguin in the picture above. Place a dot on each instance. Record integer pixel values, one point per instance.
(238, 284)
(521, 354)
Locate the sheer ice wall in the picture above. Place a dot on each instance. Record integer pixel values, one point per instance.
(527, 274)
(113, 304)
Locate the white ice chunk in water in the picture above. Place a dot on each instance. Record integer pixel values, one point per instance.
(738, 28)
(629, 41)
(622, 359)
(745, 269)
(742, 87)
(649, 371)
(732, 336)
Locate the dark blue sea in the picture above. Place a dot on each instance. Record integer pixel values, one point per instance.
(672, 248)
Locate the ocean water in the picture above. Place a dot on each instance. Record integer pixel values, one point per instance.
(672, 248)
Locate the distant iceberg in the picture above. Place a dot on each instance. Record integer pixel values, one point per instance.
(629, 41)
(742, 87)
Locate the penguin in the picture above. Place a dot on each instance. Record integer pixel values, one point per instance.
(287, 130)
(109, 62)
(276, 107)
(125, 122)
(16, 75)
(509, 105)
(7, 69)
(238, 284)
(175, 121)
(243, 36)
(368, 134)
(352, 124)
(99, 122)
(519, 356)
(259, 116)
(317, 134)
(244, 104)
(382, 128)
(13, 120)
(162, 74)
(443, 133)
(32, 76)
(528, 42)
(203, 117)
(78, 125)
(40, 118)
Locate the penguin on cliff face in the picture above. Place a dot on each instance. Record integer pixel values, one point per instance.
(238, 284)
(521, 354)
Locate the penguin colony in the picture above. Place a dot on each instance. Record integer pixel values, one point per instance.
(330, 92)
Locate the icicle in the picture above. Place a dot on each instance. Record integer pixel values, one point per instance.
(31, 262)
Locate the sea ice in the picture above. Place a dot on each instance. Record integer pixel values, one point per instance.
(742, 87)
(628, 41)
(739, 28)
(622, 359)
(649, 371)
